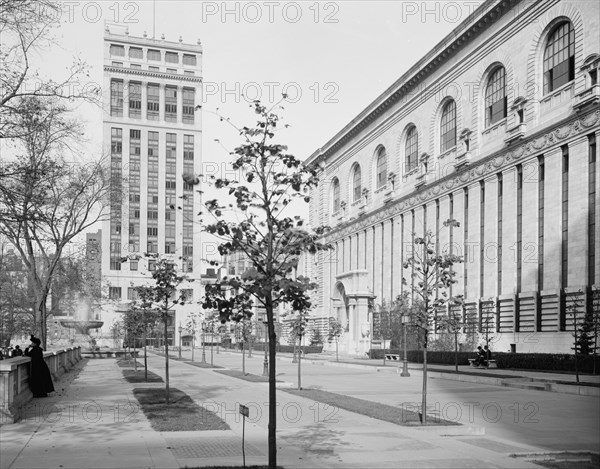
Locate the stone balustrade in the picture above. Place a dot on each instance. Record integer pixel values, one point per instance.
(14, 379)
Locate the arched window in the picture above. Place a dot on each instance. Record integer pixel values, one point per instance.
(559, 57)
(495, 97)
(411, 150)
(381, 168)
(336, 195)
(356, 184)
(448, 126)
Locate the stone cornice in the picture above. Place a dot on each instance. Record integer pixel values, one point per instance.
(481, 19)
(541, 141)
(127, 40)
(152, 74)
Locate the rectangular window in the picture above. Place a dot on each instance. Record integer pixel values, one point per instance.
(151, 265)
(153, 181)
(119, 51)
(172, 57)
(116, 141)
(136, 66)
(154, 54)
(135, 99)
(132, 293)
(188, 250)
(466, 238)
(171, 185)
(171, 103)
(135, 145)
(153, 144)
(172, 70)
(170, 231)
(133, 264)
(152, 215)
(171, 167)
(116, 98)
(153, 102)
(136, 53)
(188, 187)
(170, 215)
(188, 72)
(188, 105)
(188, 147)
(152, 247)
(188, 231)
(169, 247)
(117, 64)
(171, 146)
(114, 293)
(134, 198)
(189, 59)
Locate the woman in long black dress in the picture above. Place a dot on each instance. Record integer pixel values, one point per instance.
(40, 380)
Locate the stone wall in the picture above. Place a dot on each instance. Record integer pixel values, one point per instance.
(14, 379)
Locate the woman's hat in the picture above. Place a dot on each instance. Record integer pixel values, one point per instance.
(35, 340)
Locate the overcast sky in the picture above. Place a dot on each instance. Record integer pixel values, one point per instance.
(332, 58)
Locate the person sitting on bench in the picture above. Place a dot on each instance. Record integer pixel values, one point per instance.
(480, 360)
(477, 357)
(488, 354)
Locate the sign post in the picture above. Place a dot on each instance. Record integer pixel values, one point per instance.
(245, 411)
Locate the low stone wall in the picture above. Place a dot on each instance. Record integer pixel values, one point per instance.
(14, 379)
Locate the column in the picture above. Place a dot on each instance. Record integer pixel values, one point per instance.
(597, 214)
(370, 255)
(457, 246)
(377, 263)
(386, 259)
(125, 103)
(530, 248)
(552, 219)
(360, 239)
(509, 231)
(578, 203)
(396, 248)
(472, 243)
(490, 238)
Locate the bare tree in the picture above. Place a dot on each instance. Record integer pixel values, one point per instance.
(26, 27)
(45, 202)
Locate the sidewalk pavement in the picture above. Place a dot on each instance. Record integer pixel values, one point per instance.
(94, 422)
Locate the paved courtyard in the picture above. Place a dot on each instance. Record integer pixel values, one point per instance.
(95, 421)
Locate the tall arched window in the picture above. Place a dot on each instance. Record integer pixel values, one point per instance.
(495, 97)
(559, 57)
(381, 167)
(336, 195)
(356, 184)
(411, 149)
(448, 126)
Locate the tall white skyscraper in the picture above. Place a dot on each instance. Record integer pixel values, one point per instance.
(152, 134)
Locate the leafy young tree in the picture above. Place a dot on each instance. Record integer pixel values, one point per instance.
(141, 319)
(431, 276)
(335, 332)
(387, 322)
(45, 202)
(316, 337)
(193, 323)
(270, 240)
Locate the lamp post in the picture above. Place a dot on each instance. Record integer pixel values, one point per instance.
(405, 320)
(266, 360)
(203, 342)
(180, 331)
(193, 339)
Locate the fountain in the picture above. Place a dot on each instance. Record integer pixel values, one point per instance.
(75, 330)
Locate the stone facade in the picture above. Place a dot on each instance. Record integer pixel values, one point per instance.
(517, 169)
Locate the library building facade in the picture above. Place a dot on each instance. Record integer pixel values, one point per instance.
(497, 127)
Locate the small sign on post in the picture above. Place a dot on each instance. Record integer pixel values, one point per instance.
(245, 411)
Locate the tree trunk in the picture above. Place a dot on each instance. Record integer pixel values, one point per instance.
(272, 426)
(299, 363)
(243, 358)
(145, 357)
(166, 359)
(456, 351)
(134, 356)
(424, 394)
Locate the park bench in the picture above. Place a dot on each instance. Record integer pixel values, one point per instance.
(489, 363)
(392, 357)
